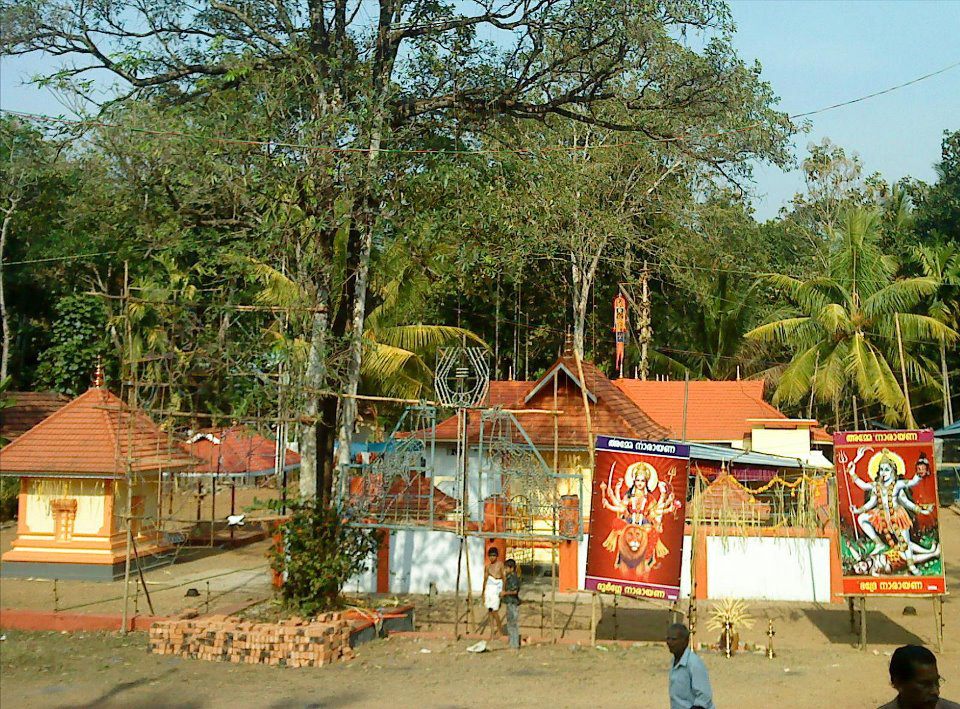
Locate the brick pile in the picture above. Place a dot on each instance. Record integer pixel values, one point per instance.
(289, 643)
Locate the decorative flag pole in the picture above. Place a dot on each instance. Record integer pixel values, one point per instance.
(620, 329)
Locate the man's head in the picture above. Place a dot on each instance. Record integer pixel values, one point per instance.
(923, 464)
(493, 554)
(913, 673)
(678, 637)
(511, 565)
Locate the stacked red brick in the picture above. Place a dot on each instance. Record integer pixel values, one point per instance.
(289, 643)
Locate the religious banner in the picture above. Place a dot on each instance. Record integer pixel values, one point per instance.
(636, 518)
(887, 495)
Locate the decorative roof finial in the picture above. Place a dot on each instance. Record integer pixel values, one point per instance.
(98, 374)
(568, 344)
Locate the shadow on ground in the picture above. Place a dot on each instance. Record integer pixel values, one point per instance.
(835, 626)
(637, 624)
(113, 695)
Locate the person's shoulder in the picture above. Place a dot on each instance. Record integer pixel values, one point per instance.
(890, 705)
(694, 659)
(947, 704)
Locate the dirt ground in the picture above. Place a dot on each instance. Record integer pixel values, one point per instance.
(817, 665)
(53, 670)
(234, 577)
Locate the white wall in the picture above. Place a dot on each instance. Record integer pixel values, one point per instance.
(365, 582)
(418, 558)
(757, 568)
(445, 471)
(768, 568)
(685, 568)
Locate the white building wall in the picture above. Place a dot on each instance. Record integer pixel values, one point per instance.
(365, 582)
(768, 568)
(419, 558)
(478, 488)
(757, 568)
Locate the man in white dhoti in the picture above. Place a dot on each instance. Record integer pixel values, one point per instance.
(493, 574)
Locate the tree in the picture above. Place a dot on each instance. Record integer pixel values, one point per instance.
(415, 68)
(942, 262)
(843, 332)
(835, 183)
(938, 208)
(79, 341)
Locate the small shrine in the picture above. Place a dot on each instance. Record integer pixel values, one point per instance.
(80, 471)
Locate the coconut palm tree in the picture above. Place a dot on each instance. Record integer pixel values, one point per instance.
(843, 331)
(707, 337)
(396, 353)
(943, 263)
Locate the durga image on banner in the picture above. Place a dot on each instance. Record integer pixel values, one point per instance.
(890, 540)
(637, 517)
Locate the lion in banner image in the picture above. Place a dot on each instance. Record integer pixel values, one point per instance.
(637, 547)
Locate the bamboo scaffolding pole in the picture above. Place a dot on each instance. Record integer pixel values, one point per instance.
(129, 474)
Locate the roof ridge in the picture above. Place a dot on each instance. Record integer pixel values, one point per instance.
(591, 369)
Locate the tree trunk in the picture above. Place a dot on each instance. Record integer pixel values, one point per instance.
(348, 407)
(947, 401)
(4, 315)
(583, 277)
(314, 381)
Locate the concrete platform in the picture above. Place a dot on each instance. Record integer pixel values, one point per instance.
(79, 572)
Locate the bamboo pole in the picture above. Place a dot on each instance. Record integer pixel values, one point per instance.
(129, 473)
(143, 581)
(594, 601)
(554, 572)
(863, 622)
(938, 620)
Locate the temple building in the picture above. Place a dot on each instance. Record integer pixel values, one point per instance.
(81, 469)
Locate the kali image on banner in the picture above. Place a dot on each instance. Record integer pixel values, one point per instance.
(637, 511)
(887, 495)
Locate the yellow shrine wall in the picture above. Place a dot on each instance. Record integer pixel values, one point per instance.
(96, 531)
(92, 504)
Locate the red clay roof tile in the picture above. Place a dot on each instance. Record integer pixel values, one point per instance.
(716, 411)
(233, 450)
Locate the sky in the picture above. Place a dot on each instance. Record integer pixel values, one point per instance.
(814, 54)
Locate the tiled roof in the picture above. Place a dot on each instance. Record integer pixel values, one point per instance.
(613, 413)
(94, 434)
(716, 411)
(508, 394)
(235, 450)
(29, 408)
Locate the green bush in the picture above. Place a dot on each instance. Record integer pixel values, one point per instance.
(318, 553)
(9, 491)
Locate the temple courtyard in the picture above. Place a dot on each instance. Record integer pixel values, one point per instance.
(817, 663)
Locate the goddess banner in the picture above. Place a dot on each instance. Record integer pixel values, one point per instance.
(887, 495)
(637, 512)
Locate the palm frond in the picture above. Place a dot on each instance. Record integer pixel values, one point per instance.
(780, 330)
(418, 338)
(899, 296)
